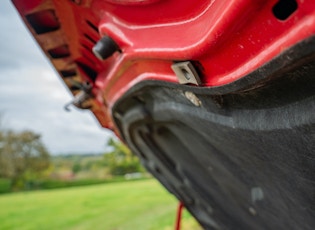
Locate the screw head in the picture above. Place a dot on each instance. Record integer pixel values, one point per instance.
(193, 98)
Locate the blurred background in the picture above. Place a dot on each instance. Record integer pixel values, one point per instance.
(32, 97)
(61, 170)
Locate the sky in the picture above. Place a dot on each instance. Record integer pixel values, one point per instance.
(32, 95)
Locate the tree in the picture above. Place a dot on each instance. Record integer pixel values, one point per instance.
(22, 155)
(121, 160)
(76, 167)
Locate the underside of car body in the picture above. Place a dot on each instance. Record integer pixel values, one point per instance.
(216, 98)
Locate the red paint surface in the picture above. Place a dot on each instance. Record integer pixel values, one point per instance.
(229, 38)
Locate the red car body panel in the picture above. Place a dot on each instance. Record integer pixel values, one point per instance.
(226, 42)
(228, 38)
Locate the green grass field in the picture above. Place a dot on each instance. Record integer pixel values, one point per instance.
(138, 205)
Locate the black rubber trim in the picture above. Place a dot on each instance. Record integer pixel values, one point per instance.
(241, 158)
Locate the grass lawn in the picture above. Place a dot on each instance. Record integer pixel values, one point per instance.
(138, 205)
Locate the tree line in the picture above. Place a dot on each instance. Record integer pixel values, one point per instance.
(24, 160)
(22, 156)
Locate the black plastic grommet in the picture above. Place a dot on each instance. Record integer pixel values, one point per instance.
(105, 48)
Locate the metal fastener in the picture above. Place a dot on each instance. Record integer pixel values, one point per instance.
(193, 98)
(186, 73)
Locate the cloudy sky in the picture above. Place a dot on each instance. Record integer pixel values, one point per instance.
(32, 96)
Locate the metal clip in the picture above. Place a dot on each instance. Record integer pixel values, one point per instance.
(81, 98)
(186, 73)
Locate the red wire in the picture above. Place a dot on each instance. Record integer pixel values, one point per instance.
(179, 215)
